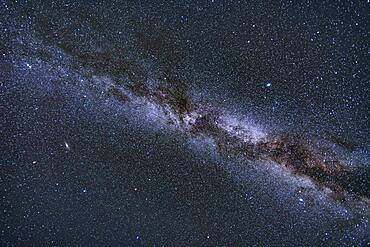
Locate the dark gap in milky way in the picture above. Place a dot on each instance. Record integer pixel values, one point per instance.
(344, 142)
(291, 151)
(162, 44)
(294, 152)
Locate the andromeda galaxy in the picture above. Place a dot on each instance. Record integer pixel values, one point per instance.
(222, 123)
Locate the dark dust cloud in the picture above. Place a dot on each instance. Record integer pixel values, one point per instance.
(184, 123)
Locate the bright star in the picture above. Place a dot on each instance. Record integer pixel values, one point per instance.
(268, 84)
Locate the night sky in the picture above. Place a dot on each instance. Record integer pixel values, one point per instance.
(184, 123)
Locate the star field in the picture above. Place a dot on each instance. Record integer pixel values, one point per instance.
(167, 123)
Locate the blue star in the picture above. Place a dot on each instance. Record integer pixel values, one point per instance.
(268, 84)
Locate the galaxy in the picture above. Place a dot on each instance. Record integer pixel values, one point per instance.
(184, 123)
